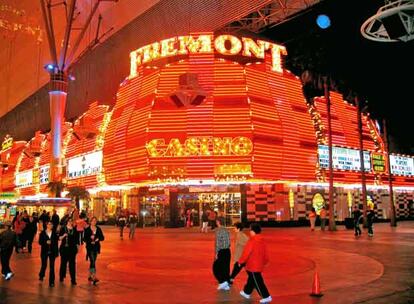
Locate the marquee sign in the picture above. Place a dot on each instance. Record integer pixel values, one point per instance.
(84, 165)
(378, 163)
(200, 146)
(343, 158)
(402, 165)
(227, 45)
(7, 143)
(24, 179)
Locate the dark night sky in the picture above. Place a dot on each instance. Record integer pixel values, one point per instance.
(379, 72)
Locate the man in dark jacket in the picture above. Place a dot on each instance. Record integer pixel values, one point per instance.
(30, 232)
(55, 221)
(7, 242)
(357, 215)
(370, 221)
(255, 257)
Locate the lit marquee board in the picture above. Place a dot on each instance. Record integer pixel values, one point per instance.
(24, 179)
(402, 165)
(84, 165)
(343, 158)
(44, 174)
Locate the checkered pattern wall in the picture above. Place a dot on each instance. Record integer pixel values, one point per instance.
(261, 202)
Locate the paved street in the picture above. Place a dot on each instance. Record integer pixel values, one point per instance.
(174, 266)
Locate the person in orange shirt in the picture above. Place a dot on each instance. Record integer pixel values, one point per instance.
(312, 219)
(255, 257)
(322, 216)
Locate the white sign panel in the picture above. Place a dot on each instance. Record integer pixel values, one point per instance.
(44, 174)
(84, 165)
(343, 158)
(24, 179)
(401, 165)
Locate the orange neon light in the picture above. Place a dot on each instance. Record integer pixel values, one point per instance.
(206, 44)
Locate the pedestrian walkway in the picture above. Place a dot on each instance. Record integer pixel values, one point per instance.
(174, 266)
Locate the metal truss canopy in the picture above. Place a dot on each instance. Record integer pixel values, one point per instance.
(402, 14)
(270, 15)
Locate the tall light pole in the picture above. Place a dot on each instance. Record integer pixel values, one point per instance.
(58, 85)
(332, 225)
(361, 157)
(387, 151)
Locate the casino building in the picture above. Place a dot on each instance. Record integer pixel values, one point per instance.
(208, 121)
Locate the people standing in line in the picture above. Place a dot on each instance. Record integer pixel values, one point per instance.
(312, 219)
(221, 265)
(204, 220)
(121, 224)
(93, 238)
(30, 232)
(7, 242)
(133, 220)
(55, 221)
(357, 215)
(240, 242)
(48, 240)
(255, 256)
(322, 216)
(69, 243)
(370, 221)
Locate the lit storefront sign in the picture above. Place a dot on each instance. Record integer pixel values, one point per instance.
(402, 165)
(84, 165)
(44, 174)
(7, 143)
(378, 163)
(343, 158)
(228, 45)
(24, 179)
(200, 146)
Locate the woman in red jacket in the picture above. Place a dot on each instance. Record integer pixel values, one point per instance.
(255, 257)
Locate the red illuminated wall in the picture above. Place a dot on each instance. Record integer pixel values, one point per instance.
(7, 176)
(79, 144)
(243, 100)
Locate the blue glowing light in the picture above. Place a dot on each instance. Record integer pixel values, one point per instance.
(50, 67)
(323, 21)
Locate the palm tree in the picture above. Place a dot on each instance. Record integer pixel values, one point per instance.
(78, 193)
(56, 188)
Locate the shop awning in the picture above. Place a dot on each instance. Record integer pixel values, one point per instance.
(55, 202)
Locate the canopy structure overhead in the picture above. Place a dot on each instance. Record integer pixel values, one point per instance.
(23, 43)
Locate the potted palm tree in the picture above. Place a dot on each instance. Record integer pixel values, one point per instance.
(55, 189)
(78, 193)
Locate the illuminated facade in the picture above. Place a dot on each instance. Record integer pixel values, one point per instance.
(216, 122)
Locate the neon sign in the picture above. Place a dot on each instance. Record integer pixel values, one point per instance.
(228, 45)
(7, 143)
(200, 146)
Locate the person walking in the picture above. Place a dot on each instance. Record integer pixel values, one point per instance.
(81, 224)
(255, 256)
(370, 221)
(48, 240)
(43, 219)
(322, 216)
(8, 240)
(19, 226)
(133, 220)
(357, 215)
(204, 220)
(312, 219)
(69, 243)
(240, 243)
(212, 219)
(121, 224)
(30, 232)
(221, 265)
(93, 238)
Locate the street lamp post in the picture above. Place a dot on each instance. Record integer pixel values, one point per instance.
(332, 226)
(387, 151)
(361, 157)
